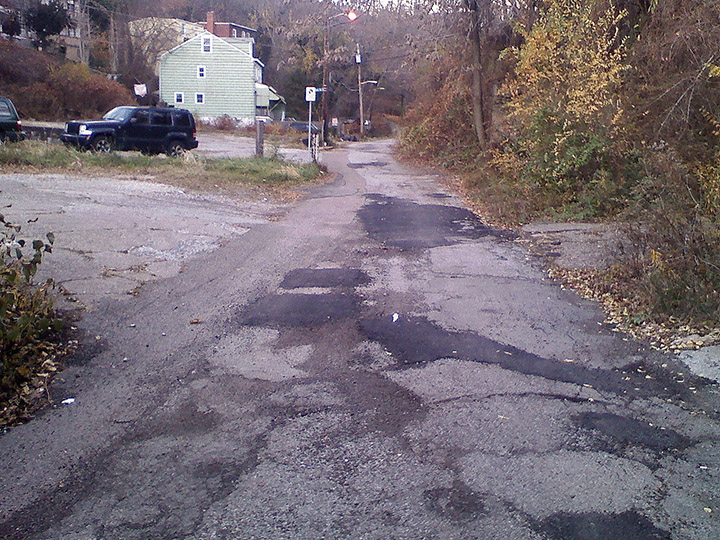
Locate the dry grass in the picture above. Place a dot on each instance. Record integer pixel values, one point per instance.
(271, 176)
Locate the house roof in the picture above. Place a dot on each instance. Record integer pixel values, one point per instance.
(232, 25)
(233, 42)
(265, 94)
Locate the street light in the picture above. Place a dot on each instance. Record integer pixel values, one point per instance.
(358, 61)
(362, 108)
(351, 16)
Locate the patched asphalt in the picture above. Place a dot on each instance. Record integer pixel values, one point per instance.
(324, 277)
(598, 526)
(406, 224)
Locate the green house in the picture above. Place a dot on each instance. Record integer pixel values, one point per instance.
(213, 76)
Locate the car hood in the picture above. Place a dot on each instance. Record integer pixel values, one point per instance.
(94, 124)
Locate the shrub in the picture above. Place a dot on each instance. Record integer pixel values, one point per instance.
(26, 314)
(564, 110)
(671, 95)
(21, 66)
(43, 87)
(440, 125)
(91, 94)
(442, 129)
(224, 123)
(677, 235)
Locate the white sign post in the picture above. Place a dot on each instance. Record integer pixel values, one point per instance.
(310, 92)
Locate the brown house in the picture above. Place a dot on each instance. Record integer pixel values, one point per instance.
(226, 29)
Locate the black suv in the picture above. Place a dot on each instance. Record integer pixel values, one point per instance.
(10, 127)
(149, 129)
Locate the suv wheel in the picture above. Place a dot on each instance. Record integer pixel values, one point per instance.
(102, 144)
(175, 149)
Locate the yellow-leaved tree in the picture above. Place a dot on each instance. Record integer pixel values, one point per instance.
(564, 107)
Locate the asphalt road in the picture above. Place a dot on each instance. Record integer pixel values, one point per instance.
(373, 362)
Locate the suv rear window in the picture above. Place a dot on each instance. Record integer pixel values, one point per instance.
(182, 119)
(161, 118)
(5, 111)
(141, 117)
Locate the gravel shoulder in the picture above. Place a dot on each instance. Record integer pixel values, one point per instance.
(572, 248)
(114, 235)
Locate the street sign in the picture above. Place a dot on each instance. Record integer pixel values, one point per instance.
(310, 93)
(334, 122)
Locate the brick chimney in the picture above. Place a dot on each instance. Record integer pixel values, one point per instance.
(210, 22)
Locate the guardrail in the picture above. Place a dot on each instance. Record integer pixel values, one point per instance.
(43, 131)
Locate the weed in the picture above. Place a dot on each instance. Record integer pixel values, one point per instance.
(27, 323)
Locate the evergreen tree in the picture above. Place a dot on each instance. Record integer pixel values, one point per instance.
(47, 19)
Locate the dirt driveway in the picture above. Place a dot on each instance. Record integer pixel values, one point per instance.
(226, 145)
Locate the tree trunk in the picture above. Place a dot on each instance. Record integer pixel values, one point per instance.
(479, 98)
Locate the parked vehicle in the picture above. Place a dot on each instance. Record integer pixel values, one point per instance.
(149, 129)
(10, 126)
(301, 126)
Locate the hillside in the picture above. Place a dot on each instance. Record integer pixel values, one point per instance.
(44, 87)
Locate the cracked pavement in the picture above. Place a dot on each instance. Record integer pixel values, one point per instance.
(375, 364)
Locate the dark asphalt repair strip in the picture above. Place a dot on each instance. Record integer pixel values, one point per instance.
(369, 164)
(416, 340)
(627, 431)
(598, 526)
(298, 310)
(324, 277)
(409, 225)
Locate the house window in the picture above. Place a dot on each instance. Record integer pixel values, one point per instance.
(206, 44)
(199, 99)
(234, 32)
(201, 72)
(179, 97)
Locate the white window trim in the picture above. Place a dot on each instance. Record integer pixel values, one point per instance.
(202, 44)
(182, 97)
(202, 101)
(204, 72)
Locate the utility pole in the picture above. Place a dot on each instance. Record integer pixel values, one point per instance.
(326, 39)
(113, 45)
(351, 16)
(358, 61)
(88, 35)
